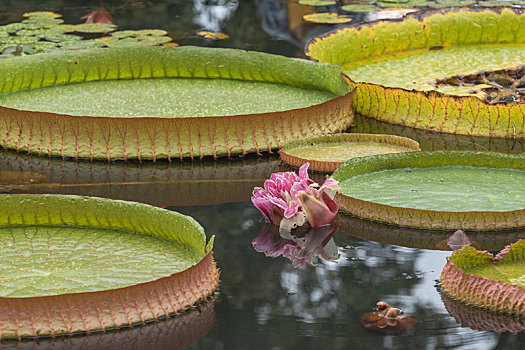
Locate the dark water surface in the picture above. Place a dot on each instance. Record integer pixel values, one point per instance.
(266, 303)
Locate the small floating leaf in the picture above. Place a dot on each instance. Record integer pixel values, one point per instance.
(359, 7)
(44, 21)
(18, 39)
(94, 28)
(317, 2)
(213, 35)
(63, 37)
(326, 17)
(123, 34)
(151, 32)
(41, 33)
(171, 44)
(42, 14)
(13, 27)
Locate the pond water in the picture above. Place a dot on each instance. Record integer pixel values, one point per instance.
(266, 303)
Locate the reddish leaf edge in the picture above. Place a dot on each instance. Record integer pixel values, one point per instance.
(481, 291)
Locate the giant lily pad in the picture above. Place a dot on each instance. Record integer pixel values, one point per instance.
(165, 102)
(492, 282)
(326, 152)
(77, 264)
(437, 190)
(447, 70)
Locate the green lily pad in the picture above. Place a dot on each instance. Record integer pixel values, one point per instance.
(93, 28)
(397, 62)
(440, 190)
(326, 152)
(45, 22)
(151, 32)
(95, 251)
(13, 27)
(18, 40)
(229, 101)
(326, 17)
(496, 283)
(317, 2)
(359, 7)
(47, 14)
(123, 34)
(41, 33)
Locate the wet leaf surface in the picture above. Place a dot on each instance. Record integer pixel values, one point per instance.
(326, 17)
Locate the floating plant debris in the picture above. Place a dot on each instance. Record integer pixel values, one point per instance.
(500, 86)
(387, 319)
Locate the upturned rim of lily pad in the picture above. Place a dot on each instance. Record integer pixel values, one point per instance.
(114, 138)
(72, 313)
(481, 291)
(321, 140)
(430, 219)
(430, 110)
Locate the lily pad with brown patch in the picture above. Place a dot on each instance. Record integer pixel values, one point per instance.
(326, 152)
(401, 66)
(492, 282)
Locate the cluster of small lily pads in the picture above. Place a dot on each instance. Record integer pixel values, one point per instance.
(44, 31)
(378, 5)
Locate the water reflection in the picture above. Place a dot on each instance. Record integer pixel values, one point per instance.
(160, 183)
(481, 319)
(176, 332)
(423, 238)
(302, 245)
(211, 15)
(267, 303)
(435, 141)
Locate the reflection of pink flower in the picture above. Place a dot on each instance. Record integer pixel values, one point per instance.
(289, 200)
(98, 16)
(301, 249)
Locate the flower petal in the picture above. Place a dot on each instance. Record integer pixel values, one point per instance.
(317, 212)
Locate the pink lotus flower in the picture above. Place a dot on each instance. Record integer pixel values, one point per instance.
(289, 200)
(98, 16)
